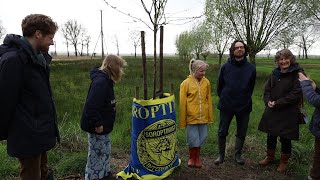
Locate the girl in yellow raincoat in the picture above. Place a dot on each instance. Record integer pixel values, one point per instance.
(196, 109)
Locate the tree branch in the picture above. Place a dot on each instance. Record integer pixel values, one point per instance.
(127, 14)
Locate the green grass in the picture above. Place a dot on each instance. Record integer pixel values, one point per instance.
(70, 83)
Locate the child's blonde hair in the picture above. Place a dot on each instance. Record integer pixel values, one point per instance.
(195, 65)
(113, 66)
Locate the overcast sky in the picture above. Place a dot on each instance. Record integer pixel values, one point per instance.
(87, 12)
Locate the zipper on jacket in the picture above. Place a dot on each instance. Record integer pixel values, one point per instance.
(200, 98)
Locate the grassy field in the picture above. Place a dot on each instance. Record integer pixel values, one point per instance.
(70, 82)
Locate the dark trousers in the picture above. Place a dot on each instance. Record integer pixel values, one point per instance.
(34, 168)
(242, 119)
(315, 170)
(286, 145)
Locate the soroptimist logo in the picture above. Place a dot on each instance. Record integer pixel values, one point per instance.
(156, 145)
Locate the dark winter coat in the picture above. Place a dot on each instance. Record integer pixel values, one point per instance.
(27, 108)
(285, 90)
(235, 86)
(313, 97)
(100, 106)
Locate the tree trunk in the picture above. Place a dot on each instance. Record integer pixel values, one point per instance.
(161, 59)
(68, 49)
(306, 52)
(55, 48)
(81, 52)
(220, 60)
(75, 50)
(155, 60)
(135, 51)
(305, 47)
(144, 67)
(252, 58)
(87, 49)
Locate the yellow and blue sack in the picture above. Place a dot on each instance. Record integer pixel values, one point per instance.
(153, 144)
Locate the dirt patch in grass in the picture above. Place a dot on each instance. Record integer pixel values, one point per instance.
(228, 170)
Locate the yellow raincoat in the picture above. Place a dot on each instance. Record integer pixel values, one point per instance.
(195, 102)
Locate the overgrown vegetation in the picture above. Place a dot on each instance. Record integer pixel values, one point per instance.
(70, 82)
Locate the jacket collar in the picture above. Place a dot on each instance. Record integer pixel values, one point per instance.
(37, 58)
(238, 63)
(293, 67)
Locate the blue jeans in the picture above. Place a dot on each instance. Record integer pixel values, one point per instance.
(242, 119)
(196, 134)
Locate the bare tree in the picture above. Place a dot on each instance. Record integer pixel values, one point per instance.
(135, 37)
(64, 34)
(304, 44)
(156, 15)
(155, 10)
(258, 21)
(83, 42)
(303, 35)
(309, 30)
(67, 43)
(72, 31)
(87, 41)
(306, 39)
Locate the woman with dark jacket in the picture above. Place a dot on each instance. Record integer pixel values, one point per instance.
(282, 97)
(99, 115)
(312, 94)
